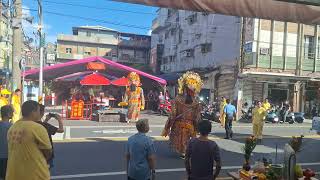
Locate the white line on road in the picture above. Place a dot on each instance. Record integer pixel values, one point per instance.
(120, 126)
(161, 126)
(158, 171)
(67, 133)
(117, 131)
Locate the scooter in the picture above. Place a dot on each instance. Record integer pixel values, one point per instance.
(290, 118)
(299, 117)
(272, 116)
(165, 108)
(210, 112)
(247, 115)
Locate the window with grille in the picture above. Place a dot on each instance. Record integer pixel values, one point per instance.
(318, 49)
(205, 48)
(309, 47)
(192, 19)
(166, 35)
(68, 50)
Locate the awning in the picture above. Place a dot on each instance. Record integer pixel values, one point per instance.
(274, 76)
(171, 77)
(264, 9)
(76, 66)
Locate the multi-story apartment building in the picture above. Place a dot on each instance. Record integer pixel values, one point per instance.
(281, 62)
(5, 40)
(89, 41)
(194, 40)
(184, 40)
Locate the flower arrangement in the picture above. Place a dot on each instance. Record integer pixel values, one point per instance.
(296, 143)
(249, 146)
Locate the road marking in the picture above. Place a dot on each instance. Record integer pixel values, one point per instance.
(117, 131)
(158, 171)
(95, 139)
(161, 126)
(67, 133)
(293, 126)
(124, 173)
(161, 138)
(119, 126)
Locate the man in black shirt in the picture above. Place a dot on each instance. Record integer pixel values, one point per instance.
(201, 155)
(52, 130)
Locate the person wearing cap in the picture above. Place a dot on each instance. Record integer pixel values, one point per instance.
(4, 97)
(16, 104)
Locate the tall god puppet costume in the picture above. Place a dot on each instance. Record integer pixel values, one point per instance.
(186, 112)
(134, 97)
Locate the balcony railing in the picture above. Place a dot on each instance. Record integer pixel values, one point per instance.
(135, 43)
(69, 56)
(84, 39)
(132, 59)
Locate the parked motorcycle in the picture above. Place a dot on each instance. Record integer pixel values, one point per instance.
(210, 112)
(299, 117)
(290, 118)
(165, 108)
(246, 115)
(272, 116)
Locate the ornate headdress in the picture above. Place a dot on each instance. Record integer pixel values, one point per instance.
(191, 80)
(133, 77)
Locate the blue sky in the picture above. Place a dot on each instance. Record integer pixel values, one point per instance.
(101, 12)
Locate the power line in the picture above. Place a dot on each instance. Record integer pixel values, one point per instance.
(95, 7)
(93, 19)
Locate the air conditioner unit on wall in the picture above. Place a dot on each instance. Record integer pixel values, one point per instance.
(264, 51)
(187, 53)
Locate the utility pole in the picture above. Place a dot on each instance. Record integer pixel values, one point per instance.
(17, 44)
(8, 57)
(41, 44)
(243, 42)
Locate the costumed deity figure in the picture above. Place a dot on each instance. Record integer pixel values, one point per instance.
(134, 97)
(16, 104)
(185, 114)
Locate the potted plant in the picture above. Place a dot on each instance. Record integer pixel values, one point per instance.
(247, 149)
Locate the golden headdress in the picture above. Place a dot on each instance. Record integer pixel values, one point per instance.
(134, 77)
(191, 80)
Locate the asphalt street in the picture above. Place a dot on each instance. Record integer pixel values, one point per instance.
(94, 151)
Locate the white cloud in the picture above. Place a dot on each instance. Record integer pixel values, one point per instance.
(31, 29)
(149, 32)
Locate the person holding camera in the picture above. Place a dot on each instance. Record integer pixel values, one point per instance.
(52, 130)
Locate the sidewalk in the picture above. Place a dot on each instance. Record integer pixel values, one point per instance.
(154, 119)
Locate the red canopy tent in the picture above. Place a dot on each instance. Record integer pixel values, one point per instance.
(112, 68)
(121, 82)
(95, 80)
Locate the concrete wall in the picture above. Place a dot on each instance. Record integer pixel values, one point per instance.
(179, 34)
(5, 48)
